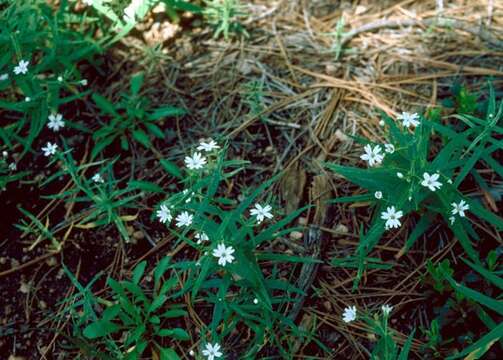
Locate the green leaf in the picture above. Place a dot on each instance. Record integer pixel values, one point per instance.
(477, 350)
(404, 354)
(99, 329)
(138, 272)
(142, 137)
(177, 334)
(168, 354)
(171, 168)
(145, 186)
(136, 83)
(485, 300)
(105, 105)
(166, 111)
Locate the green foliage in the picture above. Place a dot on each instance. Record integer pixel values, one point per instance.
(405, 169)
(131, 118)
(477, 301)
(241, 292)
(135, 320)
(224, 17)
(385, 347)
(50, 42)
(101, 197)
(8, 172)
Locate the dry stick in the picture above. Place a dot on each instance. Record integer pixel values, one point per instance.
(440, 22)
(27, 264)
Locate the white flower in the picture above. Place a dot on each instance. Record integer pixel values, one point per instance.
(349, 314)
(21, 68)
(212, 351)
(192, 353)
(392, 217)
(184, 219)
(452, 219)
(13, 166)
(60, 78)
(460, 208)
(430, 181)
(4, 77)
(164, 214)
(55, 122)
(386, 309)
(5, 153)
(208, 146)
(197, 161)
(50, 149)
(224, 254)
(201, 237)
(83, 82)
(409, 119)
(389, 148)
(372, 155)
(27, 99)
(381, 123)
(255, 301)
(378, 195)
(262, 212)
(97, 178)
(400, 175)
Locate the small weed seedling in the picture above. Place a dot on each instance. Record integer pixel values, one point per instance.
(134, 321)
(130, 119)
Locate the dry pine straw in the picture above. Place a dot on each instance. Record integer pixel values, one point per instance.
(312, 100)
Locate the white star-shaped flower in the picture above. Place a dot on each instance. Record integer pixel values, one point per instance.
(184, 219)
(431, 181)
(13, 166)
(261, 212)
(22, 67)
(460, 208)
(196, 162)
(378, 195)
(409, 119)
(372, 155)
(55, 122)
(212, 351)
(392, 217)
(386, 309)
(452, 219)
(164, 214)
(224, 254)
(97, 178)
(389, 148)
(208, 146)
(201, 237)
(349, 314)
(4, 77)
(50, 149)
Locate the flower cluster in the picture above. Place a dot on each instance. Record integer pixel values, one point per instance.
(165, 212)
